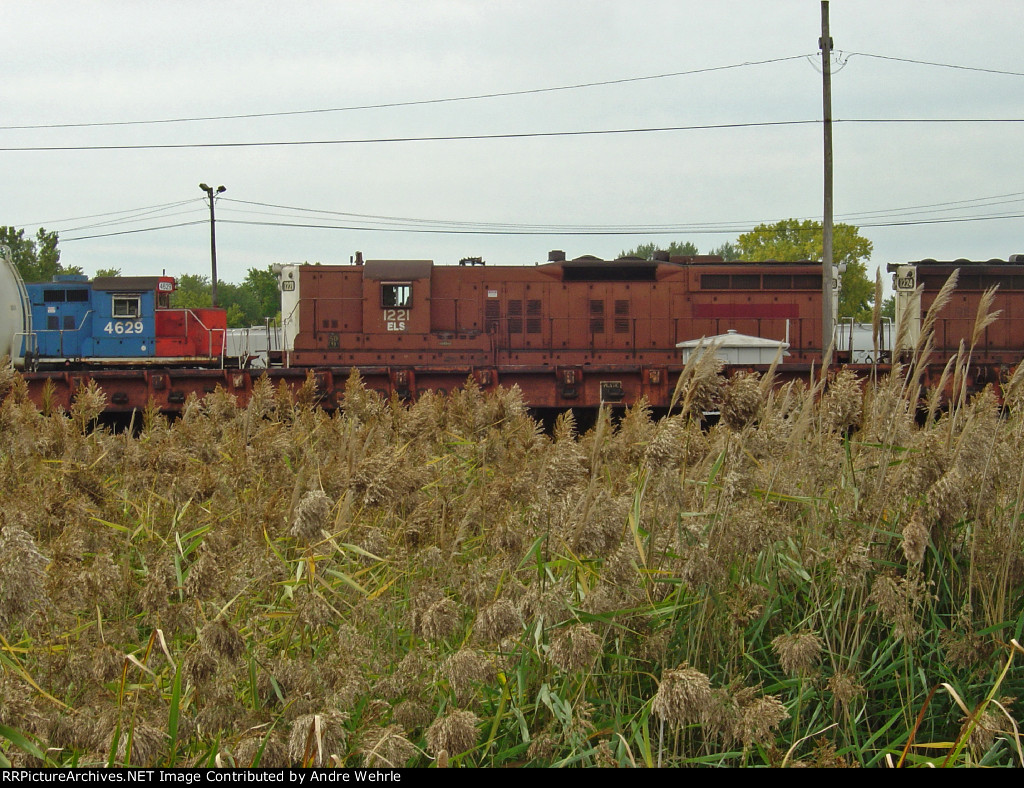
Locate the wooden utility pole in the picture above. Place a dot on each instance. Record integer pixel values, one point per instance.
(212, 194)
(827, 286)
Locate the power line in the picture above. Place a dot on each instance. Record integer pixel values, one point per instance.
(496, 94)
(129, 219)
(472, 231)
(627, 231)
(940, 65)
(377, 140)
(109, 213)
(947, 220)
(681, 230)
(995, 199)
(500, 136)
(410, 220)
(954, 205)
(384, 223)
(389, 105)
(130, 232)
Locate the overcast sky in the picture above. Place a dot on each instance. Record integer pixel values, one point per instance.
(99, 63)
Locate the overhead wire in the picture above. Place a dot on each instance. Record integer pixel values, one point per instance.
(325, 215)
(608, 231)
(381, 140)
(139, 230)
(400, 223)
(842, 57)
(894, 217)
(109, 213)
(129, 220)
(411, 103)
(1001, 72)
(497, 136)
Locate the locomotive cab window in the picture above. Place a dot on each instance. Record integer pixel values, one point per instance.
(396, 295)
(125, 306)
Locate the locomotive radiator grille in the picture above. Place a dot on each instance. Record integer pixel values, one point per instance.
(492, 314)
(515, 316)
(621, 316)
(533, 316)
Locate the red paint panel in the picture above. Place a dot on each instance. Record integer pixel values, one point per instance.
(190, 332)
(749, 311)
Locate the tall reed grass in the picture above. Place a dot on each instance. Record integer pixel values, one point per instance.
(816, 580)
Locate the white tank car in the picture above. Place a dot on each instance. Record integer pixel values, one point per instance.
(15, 311)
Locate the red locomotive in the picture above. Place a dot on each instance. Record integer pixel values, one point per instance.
(999, 347)
(569, 333)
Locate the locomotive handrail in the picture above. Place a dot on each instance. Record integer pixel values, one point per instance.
(640, 338)
(62, 331)
(286, 345)
(209, 333)
(845, 329)
(24, 337)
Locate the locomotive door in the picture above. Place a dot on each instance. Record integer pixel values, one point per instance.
(516, 315)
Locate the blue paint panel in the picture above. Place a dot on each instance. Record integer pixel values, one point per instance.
(123, 325)
(61, 317)
(73, 321)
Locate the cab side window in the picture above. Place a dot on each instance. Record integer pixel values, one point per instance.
(396, 295)
(125, 307)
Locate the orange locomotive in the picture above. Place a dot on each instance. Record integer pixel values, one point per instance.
(569, 333)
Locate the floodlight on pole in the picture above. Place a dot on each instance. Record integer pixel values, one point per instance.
(211, 193)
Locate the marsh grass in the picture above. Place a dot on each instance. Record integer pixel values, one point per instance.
(815, 580)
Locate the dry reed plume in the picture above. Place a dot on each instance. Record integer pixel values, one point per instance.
(440, 582)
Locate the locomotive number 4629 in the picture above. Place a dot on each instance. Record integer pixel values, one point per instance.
(123, 327)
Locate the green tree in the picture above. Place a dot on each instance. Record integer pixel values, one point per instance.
(675, 249)
(247, 304)
(728, 251)
(101, 272)
(37, 259)
(235, 315)
(262, 283)
(792, 239)
(193, 291)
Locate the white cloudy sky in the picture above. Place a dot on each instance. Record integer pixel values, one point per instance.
(116, 62)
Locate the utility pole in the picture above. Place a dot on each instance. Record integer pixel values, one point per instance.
(827, 285)
(211, 194)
